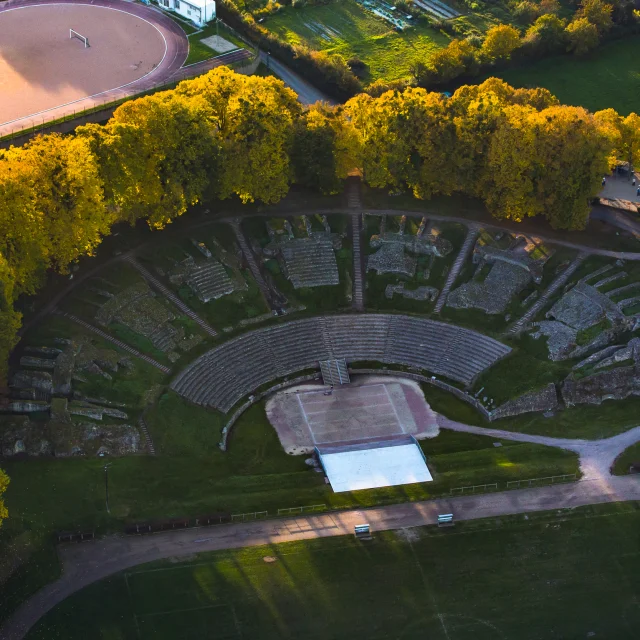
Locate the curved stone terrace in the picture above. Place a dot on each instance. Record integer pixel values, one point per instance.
(224, 375)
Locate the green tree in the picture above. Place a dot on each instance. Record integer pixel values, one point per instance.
(254, 120)
(597, 13)
(546, 35)
(582, 35)
(314, 153)
(500, 42)
(158, 155)
(452, 61)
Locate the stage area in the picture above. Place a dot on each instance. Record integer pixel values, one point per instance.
(384, 462)
(42, 68)
(370, 407)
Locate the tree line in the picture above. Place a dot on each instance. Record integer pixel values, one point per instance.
(226, 135)
(546, 34)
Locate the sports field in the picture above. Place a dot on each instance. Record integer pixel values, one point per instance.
(45, 74)
(607, 78)
(348, 29)
(554, 576)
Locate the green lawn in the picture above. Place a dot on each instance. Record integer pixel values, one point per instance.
(609, 77)
(193, 477)
(630, 456)
(348, 29)
(557, 575)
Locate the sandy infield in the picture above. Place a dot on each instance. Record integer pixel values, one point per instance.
(41, 68)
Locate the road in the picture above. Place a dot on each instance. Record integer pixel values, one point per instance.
(307, 93)
(88, 562)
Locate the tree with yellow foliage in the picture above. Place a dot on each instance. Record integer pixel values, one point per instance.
(583, 36)
(253, 118)
(157, 156)
(548, 163)
(4, 483)
(500, 42)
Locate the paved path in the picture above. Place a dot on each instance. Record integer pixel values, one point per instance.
(83, 564)
(307, 93)
(596, 456)
(616, 218)
(88, 562)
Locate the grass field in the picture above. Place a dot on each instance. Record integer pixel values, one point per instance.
(349, 30)
(193, 477)
(557, 576)
(630, 456)
(609, 77)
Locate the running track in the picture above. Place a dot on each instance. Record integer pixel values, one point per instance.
(177, 51)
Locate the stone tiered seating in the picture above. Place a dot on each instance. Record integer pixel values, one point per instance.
(311, 262)
(231, 371)
(210, 281)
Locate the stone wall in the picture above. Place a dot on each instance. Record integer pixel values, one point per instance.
(615, 384)
(541, 400)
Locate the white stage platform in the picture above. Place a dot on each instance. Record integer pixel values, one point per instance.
(384, 463)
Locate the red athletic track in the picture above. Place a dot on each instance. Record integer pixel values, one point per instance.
(177, 51)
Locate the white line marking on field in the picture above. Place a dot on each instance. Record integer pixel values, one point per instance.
(95, 95)
(304, 415)
(394, 409)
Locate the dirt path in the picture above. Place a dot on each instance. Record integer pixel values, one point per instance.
(83, 564)
(86, 563)
(596, 456)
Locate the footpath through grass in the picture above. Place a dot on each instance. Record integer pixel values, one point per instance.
(556, 575)
(194, 478)
(609, 77)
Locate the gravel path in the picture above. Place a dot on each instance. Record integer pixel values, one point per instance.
(88, 562)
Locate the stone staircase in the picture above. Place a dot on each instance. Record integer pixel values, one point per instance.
(358, 271)
(224, 375)
(463, 254)
(334, 372)
(147, 436)
(112, 340)
(520, 324)
(169, 295)
(251, 261)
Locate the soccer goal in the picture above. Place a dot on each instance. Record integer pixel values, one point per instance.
(75, 34)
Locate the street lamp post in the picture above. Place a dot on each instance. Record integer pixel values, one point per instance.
(106, 485)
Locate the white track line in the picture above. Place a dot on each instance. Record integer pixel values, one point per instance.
(95, 95)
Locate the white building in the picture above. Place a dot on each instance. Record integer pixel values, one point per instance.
(198, 11)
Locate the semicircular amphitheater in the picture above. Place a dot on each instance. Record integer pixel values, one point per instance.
(340, 326)
(248, 353)
(229, 372)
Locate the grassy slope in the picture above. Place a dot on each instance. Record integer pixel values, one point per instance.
(388, 53)
(626, 459)
(609, 77)
(484, 580)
